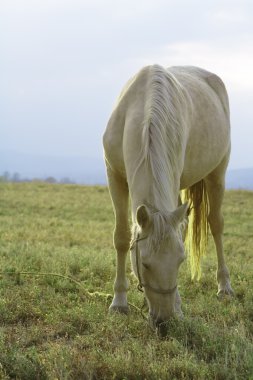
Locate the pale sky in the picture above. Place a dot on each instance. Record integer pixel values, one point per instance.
(64, 62)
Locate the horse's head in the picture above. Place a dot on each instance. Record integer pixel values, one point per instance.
(156, 254)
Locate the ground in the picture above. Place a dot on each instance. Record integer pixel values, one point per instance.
(51, 328)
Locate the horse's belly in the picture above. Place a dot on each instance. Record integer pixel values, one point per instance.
(198, 166)
(188, 178)
(204, 154)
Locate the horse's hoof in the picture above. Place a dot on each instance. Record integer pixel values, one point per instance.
(119, 309)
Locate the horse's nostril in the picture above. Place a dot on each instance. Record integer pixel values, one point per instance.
(161, 328)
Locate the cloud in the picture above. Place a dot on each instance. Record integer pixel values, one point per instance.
(230, 16)
(234, 66)
(64, 62)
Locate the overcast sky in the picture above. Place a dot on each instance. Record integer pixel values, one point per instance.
(63, 63)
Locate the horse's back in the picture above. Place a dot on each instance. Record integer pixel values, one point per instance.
(197, 74)
(207, 132)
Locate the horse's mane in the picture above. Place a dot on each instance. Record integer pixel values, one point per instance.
(162, 150)
(162, 135)
(162, 143)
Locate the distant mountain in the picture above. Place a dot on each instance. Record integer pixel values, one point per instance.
(85, 170)
(80, 169)
(240, 179)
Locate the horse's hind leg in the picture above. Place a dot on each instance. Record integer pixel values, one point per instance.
(215, 183)
(119, 193)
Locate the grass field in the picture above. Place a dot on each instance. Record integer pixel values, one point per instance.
(51, 329)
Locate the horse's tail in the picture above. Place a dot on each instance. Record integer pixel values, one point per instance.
(197, 231)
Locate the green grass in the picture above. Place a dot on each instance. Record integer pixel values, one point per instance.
(51, 329)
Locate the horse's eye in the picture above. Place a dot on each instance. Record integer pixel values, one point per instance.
(146, 266)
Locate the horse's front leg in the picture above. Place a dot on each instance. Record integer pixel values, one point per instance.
(119, 194)
(119, 302)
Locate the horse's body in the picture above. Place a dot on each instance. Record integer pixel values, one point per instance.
(169, 131)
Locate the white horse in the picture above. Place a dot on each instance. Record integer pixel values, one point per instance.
(168, 132)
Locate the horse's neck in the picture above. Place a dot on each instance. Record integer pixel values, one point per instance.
(162, 201)
(146, 191)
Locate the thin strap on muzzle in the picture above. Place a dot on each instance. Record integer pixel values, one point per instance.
(141, 285)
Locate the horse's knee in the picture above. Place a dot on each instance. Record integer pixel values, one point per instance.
(122, 240)
(121, 246)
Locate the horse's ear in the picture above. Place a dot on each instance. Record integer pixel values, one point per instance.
(143, 216)
(181, 213)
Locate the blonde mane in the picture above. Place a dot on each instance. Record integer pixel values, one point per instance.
(162, 150)
(162, 136)
(162, 146)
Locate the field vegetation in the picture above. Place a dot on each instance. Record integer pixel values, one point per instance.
(52, 328)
